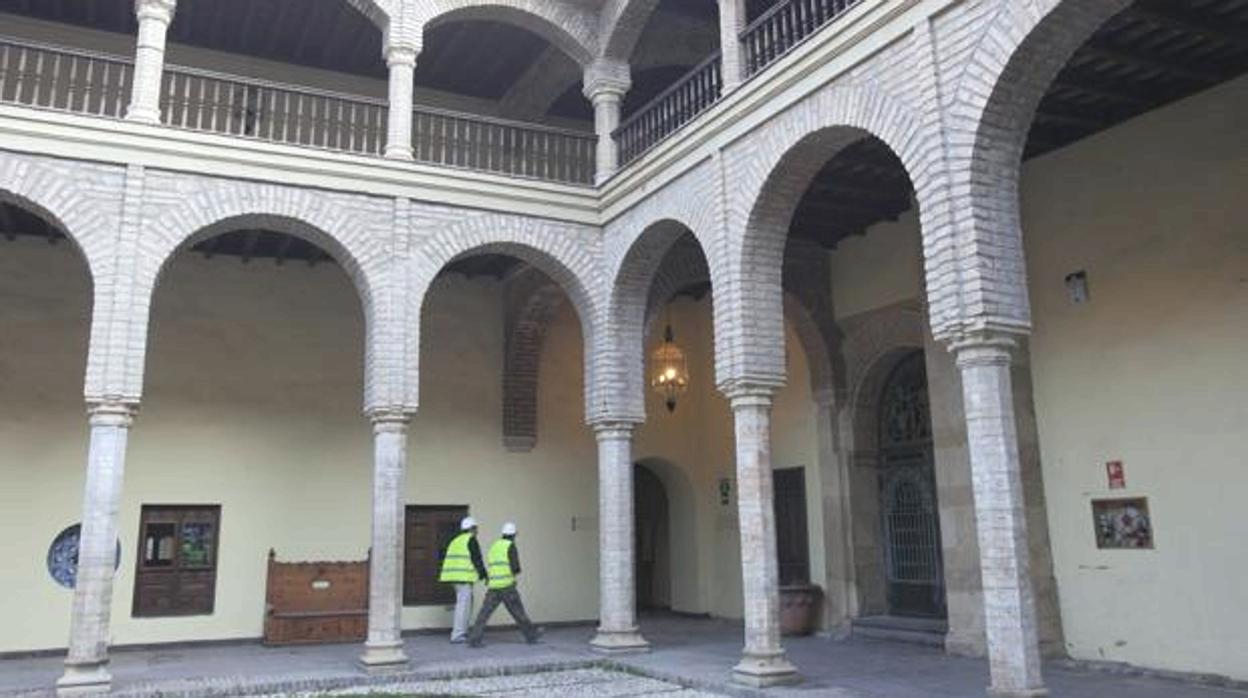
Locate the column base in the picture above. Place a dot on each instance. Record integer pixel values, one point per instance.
(1018, 692)
(399, 153)
(84, 679)
(383, 658)
(143, 117)
(619, 642)
(765, 670)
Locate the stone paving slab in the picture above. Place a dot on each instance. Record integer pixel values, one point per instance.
(693, 655)
(576, 683)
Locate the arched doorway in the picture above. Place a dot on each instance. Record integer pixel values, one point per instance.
(652, 531)
(914, 574)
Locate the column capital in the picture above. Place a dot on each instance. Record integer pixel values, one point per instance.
(826, 397)
(389, 419)
(111, 413)
(606, 79)
(983, 349)
(750, 393)
(613, 428)
(157, 10)
(403, 54)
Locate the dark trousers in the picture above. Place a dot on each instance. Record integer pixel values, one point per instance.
(511, 599)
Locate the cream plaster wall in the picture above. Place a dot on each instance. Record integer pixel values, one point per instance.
(254, 381)
(878, 269)
(253, 394)
(1150, 372)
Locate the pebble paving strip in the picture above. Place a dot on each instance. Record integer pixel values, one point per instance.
(579, 683)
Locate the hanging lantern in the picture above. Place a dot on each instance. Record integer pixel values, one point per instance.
(671, 372)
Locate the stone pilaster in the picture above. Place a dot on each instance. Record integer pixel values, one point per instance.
(86, 665)
(402, 63)
(838, 607)
(384, 648)
(606, 83)
(732, 20)
(617, 623)
(1000, 513)
(154, 18)
(764, 662)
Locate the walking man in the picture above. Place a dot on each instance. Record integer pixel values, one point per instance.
(504, 567)
(462, 566)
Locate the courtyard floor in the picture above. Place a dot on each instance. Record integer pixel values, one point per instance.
(689, 658)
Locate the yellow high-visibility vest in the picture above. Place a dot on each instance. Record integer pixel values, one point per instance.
(457, 565)
(499, 564)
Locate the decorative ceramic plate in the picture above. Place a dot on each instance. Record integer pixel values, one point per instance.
(63, 557)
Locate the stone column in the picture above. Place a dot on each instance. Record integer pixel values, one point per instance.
(402, 63)
(149, 59)
(1000, 513)
(764, 662)
(617, 622)
(384, 648)
(732, 18)
(606, 83)
(86, 665)
(837, 542)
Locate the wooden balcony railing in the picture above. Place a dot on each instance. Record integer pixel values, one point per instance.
(52, 78)
(204, 101)
(199, 100)
(784, 26)
(671, 109)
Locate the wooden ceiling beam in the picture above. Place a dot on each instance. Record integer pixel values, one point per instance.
(250, 239)
(1122, 55)
(209, 247)
(283, 249)
(1076, 83)
(1169, 16)
(1076, 120)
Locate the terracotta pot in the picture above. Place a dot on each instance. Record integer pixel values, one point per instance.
(799, 609)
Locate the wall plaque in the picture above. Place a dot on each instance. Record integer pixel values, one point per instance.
(1122, 523)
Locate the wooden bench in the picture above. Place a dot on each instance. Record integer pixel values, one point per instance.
(315, 602)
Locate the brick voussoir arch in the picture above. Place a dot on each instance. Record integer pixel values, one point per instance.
(378, 12)
(768, 174)
(635, 245)
(621, 25)
(90, 218)
(569, 254)
(566, 24)
(350, 231)
(1015, 61)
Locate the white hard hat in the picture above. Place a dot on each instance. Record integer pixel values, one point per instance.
(468, 523)
(509, 529)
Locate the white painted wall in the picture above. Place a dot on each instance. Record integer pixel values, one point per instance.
(1150, 372)
(254, 384)
(253, 395)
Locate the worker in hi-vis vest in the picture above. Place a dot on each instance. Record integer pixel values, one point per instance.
(504, 566)
(462, 566)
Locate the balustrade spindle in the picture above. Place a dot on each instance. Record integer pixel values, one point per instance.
(99, 85)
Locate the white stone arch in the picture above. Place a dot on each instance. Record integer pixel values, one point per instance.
(566, 253)
(567, 25)
(621, 26)
(348, 234)
(377, 11)
(632, 290)
(1022, 47)
(683, 268)
(769, 172)
(90, 217)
